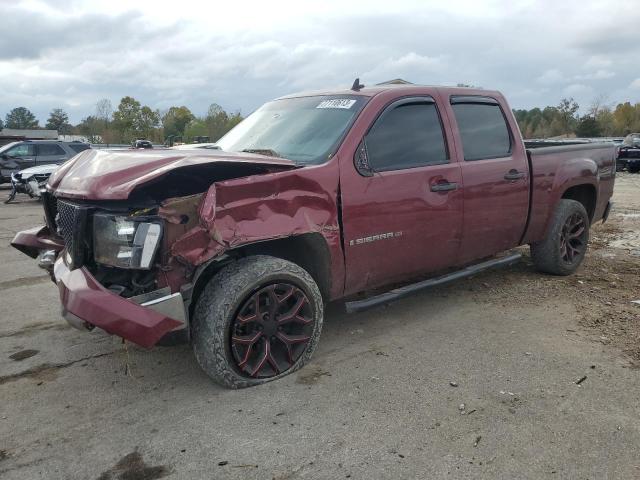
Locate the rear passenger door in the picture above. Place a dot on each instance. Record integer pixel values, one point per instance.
(495, 174)
(401, 198)
(48, 153)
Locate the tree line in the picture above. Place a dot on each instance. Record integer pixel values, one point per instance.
(600, 120)
(130, 121)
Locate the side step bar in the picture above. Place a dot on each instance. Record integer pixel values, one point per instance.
(398, 293)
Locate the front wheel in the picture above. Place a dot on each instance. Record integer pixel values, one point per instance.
(565, 245)
(257, 319)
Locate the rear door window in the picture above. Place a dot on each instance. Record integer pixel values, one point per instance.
(49, 150)
(483, 129)
(407, 135)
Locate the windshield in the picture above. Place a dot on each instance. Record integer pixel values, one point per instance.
(306, 130)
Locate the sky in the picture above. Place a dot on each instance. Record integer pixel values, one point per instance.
(71, 53)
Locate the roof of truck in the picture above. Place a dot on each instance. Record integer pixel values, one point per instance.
(408, 88)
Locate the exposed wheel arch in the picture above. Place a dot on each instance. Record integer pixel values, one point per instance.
(585, 194)
(310, 251)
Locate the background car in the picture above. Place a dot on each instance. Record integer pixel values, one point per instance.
(18, 156)
(629, 153)
(30, 181)
(140, 143)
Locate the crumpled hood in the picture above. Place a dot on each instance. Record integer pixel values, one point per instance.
(113, 174)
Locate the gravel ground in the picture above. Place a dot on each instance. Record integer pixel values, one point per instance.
(510, 374)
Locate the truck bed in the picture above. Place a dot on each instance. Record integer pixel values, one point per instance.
(553, 170)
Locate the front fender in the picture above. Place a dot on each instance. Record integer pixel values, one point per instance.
(243, 211)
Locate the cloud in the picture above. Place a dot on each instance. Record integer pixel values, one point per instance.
(598, 61)
(75, 52)
(635, 84)
(407, 66)
(597, 75)
(551, 76)
(579, 91)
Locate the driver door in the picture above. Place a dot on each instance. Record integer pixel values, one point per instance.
(404, 217)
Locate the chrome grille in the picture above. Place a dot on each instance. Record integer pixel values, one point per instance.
(71, 222)
(67, 220)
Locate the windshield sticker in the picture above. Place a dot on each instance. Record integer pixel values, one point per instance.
(337, 103)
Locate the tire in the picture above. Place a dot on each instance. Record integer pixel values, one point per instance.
(561, 253)
(634, 168)
(235, 306)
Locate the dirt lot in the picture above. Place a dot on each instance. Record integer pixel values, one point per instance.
(546, 371)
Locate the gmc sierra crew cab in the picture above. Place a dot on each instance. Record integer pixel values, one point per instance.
(314, 197)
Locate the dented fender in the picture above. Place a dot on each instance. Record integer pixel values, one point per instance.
(238, 212)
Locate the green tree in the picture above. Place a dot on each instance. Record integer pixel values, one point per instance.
(196, 128)
(588, 127)
(1, 124)
(567, 115)
(126, 118)
(148, 120)
(58, 120)
(626, 118)
(216, 121)
(604, 117)
(175, 120)
(91, 127)
(21, 118)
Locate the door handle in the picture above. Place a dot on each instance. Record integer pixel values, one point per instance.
(444, 186)
(514, 174)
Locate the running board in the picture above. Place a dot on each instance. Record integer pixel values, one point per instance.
(398, 293)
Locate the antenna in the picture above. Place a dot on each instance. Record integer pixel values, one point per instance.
(356, 85)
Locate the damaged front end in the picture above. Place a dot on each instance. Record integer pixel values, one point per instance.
(128, 266)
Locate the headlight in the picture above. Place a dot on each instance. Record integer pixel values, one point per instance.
(121, 242)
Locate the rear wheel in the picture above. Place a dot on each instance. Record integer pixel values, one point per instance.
(562, 251)
(258, 319)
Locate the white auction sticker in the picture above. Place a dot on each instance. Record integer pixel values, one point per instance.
(337, 103)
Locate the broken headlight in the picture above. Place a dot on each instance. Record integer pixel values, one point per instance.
(121, 242)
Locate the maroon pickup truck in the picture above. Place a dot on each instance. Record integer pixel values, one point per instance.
(313, 198)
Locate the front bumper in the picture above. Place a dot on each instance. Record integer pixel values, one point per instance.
(87, 304)
(31, 242)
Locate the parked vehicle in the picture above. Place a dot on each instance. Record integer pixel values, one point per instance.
(629, 153)
(141, 144)
(30, 181)
(312, 198)
(17, 156)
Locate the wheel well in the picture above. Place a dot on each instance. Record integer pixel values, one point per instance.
(586, 195)
(310, 251)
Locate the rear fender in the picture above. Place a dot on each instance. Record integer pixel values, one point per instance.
(571, 173)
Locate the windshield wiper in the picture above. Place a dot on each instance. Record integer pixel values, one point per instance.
(263, 151)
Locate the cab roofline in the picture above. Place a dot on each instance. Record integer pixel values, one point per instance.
(409, 89)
